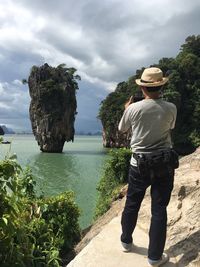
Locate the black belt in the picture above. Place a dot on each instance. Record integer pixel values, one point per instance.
(152, 154)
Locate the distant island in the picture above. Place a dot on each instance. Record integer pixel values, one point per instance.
(7, 130)
(53, 105)
(89, 133)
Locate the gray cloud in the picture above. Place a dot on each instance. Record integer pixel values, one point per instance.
(110, 39)
(17, 64)
(88, 99)
(105, 40)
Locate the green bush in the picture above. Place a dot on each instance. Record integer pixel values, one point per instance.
(33, 231)
(115, 175)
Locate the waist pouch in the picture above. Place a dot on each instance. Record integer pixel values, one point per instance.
(158, 163)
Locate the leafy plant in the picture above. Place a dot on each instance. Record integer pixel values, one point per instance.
(33, 231)
(114, 176)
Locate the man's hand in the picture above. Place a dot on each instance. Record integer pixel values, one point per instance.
(130, 101)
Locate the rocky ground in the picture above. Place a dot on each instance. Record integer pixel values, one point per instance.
(183, 214)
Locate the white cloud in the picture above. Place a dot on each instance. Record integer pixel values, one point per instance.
(109, 86)
(18, 26)
(4, 106)
(17, 82)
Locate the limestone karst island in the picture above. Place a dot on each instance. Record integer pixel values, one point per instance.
(53, 105)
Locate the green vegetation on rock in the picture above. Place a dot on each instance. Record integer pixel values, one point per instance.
(183, 89)
(114, 176)
(53, 105)
(34, 231)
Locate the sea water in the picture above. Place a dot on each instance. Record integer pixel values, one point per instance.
(78, 168)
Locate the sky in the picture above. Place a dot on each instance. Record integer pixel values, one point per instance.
(106, 41)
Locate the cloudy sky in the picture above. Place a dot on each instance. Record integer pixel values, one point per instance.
(106, 41)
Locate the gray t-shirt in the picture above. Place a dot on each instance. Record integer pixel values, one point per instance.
(151, 121)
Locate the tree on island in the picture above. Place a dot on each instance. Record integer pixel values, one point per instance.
(183, 89)
(53, 105)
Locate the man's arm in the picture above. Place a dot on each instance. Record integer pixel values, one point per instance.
(125, 123)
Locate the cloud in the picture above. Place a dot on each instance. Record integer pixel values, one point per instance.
(14, 101)
(105, 40)
(89, 98)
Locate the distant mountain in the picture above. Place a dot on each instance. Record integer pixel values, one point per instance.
(7, 130)
(88, 133)
(1, 131)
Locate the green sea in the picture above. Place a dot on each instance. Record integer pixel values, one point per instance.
(78, 168)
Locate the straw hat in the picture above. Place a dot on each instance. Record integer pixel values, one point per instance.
(152, 77)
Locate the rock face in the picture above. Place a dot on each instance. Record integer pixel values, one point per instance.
(183, 212)
(116, 139)
(53, 105)
(7, 130)
(1, 131)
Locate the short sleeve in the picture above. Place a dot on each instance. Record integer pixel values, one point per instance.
(125, 123)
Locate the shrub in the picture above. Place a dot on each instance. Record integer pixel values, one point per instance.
(33, 231)
(114, 176)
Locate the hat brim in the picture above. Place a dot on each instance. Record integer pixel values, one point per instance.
(154, 84)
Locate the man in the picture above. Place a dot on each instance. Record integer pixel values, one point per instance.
(152, 163)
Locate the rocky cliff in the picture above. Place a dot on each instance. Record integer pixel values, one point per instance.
(7, 130)
(183, 239)
(1, 131)
(116, 139)
(53, 105)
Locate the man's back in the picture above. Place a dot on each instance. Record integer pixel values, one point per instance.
(151, 121)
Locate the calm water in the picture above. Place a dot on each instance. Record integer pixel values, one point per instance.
(78, 168)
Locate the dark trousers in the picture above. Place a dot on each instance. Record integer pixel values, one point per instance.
(160, 195)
